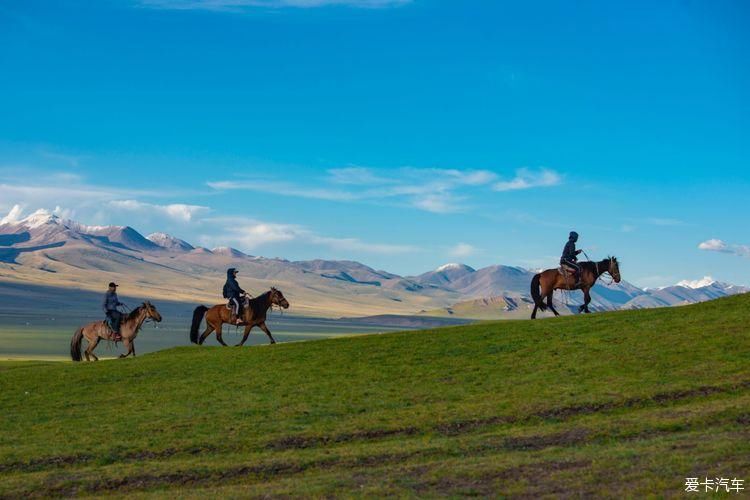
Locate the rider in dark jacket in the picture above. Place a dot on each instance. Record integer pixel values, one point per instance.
(110, 305)
(233, 292)
(570, 256)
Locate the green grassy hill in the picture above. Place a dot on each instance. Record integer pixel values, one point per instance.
(616, 404)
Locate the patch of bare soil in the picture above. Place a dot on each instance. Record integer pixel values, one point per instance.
(491, 484)
(301, 442)
(71, 460)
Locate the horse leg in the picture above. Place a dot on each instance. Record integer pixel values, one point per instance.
(586, 300)
(549, 304)
(245, 335)
(218, 337)
(268, 332)
(129, 345)
(533, 313)
(209, 329)
(89, 352)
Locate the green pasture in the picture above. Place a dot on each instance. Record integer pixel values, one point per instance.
(621, 404)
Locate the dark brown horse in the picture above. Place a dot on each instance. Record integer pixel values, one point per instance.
(253, 314)
(546, 282)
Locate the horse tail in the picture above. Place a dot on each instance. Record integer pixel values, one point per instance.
(75, 345)
(536, 294)
(198, 314)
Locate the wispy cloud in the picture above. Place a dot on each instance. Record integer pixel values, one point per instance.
(250, 234)
(429, 189)
(359, 176)
(179, 212)
(284, 189)
(462, 250)
(240, 5)
(527, 178)
(716, 245)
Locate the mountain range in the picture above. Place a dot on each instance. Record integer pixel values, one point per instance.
(44, 249)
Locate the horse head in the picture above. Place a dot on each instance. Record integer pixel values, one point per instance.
(278, 299)
(614, 269)
(151, 312)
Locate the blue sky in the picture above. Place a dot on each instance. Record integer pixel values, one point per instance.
(403, 134)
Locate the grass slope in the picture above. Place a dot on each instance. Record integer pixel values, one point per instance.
(616, 404)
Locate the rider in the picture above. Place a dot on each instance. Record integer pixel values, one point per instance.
(570, 256)
(233, 292)
(110, 305)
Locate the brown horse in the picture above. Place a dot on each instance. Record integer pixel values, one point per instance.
(552, 279)
(253, 314)
(129, 328)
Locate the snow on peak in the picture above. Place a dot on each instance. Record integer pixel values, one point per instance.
(452, 266)
(40, 218)
(228, 251)
(165, 240)
(36, 219)
(705, 281)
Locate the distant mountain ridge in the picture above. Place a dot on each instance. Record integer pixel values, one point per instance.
(46, 249)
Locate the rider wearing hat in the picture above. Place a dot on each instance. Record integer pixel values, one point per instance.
(110, 305)
(570, 256)
(234, 292)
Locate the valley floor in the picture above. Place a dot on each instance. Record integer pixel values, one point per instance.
(622, 404)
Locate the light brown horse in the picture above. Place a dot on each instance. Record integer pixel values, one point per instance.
(253, 314)
(129, 328)
(546, 282)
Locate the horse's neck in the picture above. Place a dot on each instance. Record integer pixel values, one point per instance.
(138, 320)
(266, 301)
(601, 267)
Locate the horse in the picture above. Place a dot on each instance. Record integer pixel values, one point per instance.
(553, 279)
(253, 314)
(129, 328)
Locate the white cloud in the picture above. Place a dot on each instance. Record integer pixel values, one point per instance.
(250, 234)
(283, 189)
(429, 189)
(716, 245)
(177, 211)
(439, 203)
(356, 245)
(239, 5)
(357, 176)
(526, 179)
(15, 215)
(462, 250)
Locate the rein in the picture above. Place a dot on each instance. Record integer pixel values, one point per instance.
(598, 273)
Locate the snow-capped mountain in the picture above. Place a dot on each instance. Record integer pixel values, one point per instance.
(228, 252)
(444, 275)
(49, 250)
(44, 228)
(705, 281)
(169, 242)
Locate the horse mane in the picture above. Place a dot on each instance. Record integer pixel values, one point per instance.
(134, 313)
(259, 304)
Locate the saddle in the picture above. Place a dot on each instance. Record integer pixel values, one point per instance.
(112, 335)
(245, 303)
(566, 271)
